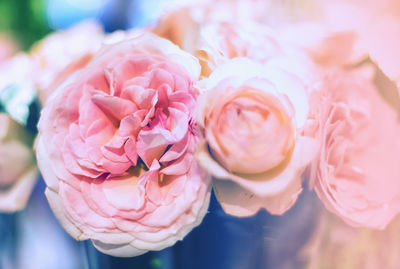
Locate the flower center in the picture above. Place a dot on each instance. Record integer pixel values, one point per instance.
(254, 132)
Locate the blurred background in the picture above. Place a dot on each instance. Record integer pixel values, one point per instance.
(30, 20)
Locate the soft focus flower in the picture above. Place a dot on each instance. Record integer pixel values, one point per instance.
(17, 69)
(251, 115)
(62, 53)
(337, 245)
(183, 19)
(116, 148)
(219, 42)
(18, 171)
(7, 47)
(357, 172)
(17, 167)
(54, 53)
(16, 87)
(376, 24)
(373, 24)
(328, 48)
(354, 104)
(79, 60)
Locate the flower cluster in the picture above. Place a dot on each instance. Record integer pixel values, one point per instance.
(138, 127)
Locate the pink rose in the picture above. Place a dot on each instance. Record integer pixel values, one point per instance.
(251, 115)
(17, 166)
(116, 148)
(357, 172)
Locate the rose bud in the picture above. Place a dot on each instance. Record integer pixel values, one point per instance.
(251, 115)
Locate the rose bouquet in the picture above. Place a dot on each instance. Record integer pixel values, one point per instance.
(138, 127)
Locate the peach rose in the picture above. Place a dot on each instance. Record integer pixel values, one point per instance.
(116, 148)
(17, 165)
(357, 173)
(251, 115)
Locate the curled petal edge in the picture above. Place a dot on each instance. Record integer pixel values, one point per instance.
(265, 184)
(133, 248)
(17, 196)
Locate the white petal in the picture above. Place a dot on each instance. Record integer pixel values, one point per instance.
(57, 207)
(125, 250)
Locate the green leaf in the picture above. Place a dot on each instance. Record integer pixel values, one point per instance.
(156, 263)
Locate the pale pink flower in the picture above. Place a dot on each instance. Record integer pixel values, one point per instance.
(219, 42)
(376, 24)
(55, 52)
(18, 171)
(334, 244)
(116, 148)
(357, 172)
(354, 104)
(182, 20)
(16, 70)
(328, 48)
(80, 56)
(251, 115)
(8, 47)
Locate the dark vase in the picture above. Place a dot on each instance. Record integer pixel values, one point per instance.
(226, 242)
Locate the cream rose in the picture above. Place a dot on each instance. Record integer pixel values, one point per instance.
(251, 115)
